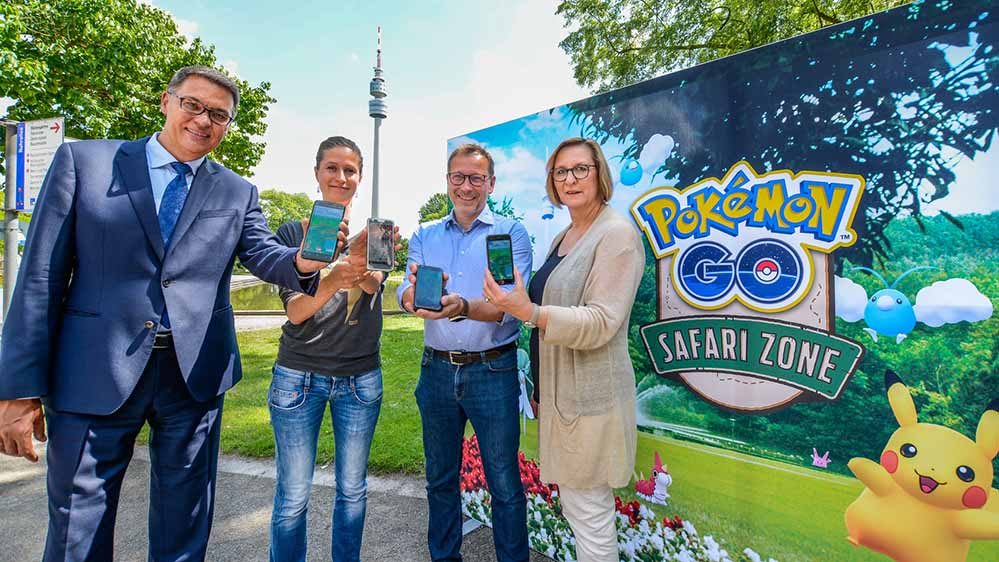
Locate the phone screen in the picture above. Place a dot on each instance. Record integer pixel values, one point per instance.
(381, 245)
(429, 288)
(321, 239)
(499, 251)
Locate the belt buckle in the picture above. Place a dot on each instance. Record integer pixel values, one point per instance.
(451, 355)
(162, 340)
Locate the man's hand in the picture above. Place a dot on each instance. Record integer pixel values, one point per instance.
(19, 419)
(305, 266)
(451, 306)
(408, 297)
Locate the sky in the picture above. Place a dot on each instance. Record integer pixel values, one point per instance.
(451, 67)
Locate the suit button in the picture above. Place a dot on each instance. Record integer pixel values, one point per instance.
(150, 324)
(166, 283)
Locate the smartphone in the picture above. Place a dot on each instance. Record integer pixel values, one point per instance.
(429, 288)
(499, 256)
(321, 242)
(381, 245)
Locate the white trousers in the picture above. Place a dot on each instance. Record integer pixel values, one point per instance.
(590, 513)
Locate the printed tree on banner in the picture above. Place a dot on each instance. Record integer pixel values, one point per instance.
(901, 116)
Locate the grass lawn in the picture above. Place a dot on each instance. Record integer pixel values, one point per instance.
(397, 445)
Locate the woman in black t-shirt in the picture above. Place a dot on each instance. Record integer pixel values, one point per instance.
(329, 354)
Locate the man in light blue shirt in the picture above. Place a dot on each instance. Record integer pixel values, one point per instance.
(469, 365)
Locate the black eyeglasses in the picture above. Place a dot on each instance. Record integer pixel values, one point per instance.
(579, 171)
(458, 178)
(195, 107)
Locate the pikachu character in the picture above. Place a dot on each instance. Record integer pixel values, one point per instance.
(932, 493)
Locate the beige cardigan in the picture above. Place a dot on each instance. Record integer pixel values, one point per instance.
(587, 434)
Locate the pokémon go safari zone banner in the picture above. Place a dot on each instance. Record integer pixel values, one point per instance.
(815, 341)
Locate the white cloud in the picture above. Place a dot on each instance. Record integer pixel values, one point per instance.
(232, 66)
(851, 299)
(951, 301)
(187, 28)
(5, 104)
(354, 57)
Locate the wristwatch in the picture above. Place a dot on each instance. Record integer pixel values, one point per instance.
(463, 313)
(535, 317)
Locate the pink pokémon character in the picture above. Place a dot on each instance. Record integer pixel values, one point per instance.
(655, 488)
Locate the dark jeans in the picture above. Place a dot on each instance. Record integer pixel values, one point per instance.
(485, 393)
(87, 457)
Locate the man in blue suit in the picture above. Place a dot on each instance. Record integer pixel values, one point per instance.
(121, 316)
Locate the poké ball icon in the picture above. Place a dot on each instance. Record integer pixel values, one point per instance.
(766, 270)
(631, 172)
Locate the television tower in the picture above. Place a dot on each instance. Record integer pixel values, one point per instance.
(378, 109)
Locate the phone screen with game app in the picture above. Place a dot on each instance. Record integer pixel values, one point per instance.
(321, 243)
(381, 245)
(429, 288)
(499, 255)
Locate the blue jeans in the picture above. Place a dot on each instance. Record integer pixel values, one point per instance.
(485, 393)
(297, 401)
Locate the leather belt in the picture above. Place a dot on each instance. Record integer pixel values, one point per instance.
(163, 340)
(469, 357)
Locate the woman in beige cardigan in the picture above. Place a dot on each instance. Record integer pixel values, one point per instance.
(583, 296)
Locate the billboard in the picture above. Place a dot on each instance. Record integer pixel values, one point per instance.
(815, 340)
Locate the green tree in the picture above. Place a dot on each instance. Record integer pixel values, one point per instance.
(435, 208)
(280, 207)
(102, 64)
(402, 254)
(618, 42)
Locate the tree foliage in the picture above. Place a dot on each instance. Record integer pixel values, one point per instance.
(618, 42)
(280, 207)
(898, 98)
(436, 207)
(402, 254)
(102, 64)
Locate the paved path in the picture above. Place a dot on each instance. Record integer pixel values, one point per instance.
(395, 529)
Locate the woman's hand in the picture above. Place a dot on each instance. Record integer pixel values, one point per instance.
(516, 303)
(347, 272)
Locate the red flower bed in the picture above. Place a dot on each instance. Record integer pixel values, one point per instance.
(473, 477)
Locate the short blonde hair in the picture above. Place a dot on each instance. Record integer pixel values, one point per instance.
(605, 185)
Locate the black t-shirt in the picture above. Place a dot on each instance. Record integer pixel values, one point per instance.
(342, 338)
(535, 290)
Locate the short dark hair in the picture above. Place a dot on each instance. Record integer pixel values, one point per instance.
(334, 142)
(470, 149)
(209, 74)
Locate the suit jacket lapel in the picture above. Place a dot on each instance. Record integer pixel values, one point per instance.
(133, 170)
(201, 188)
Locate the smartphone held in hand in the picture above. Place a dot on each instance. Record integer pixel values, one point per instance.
(499, 256)
(321, 242)
(381, 245)
(429, 288)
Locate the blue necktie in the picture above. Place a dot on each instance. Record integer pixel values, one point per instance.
(173, 201)
(170, 207)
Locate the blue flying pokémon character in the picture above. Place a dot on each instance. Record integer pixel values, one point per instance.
(890, 313)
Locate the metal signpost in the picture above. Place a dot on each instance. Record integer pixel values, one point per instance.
(30, 147)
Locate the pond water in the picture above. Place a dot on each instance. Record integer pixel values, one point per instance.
(265, 297)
